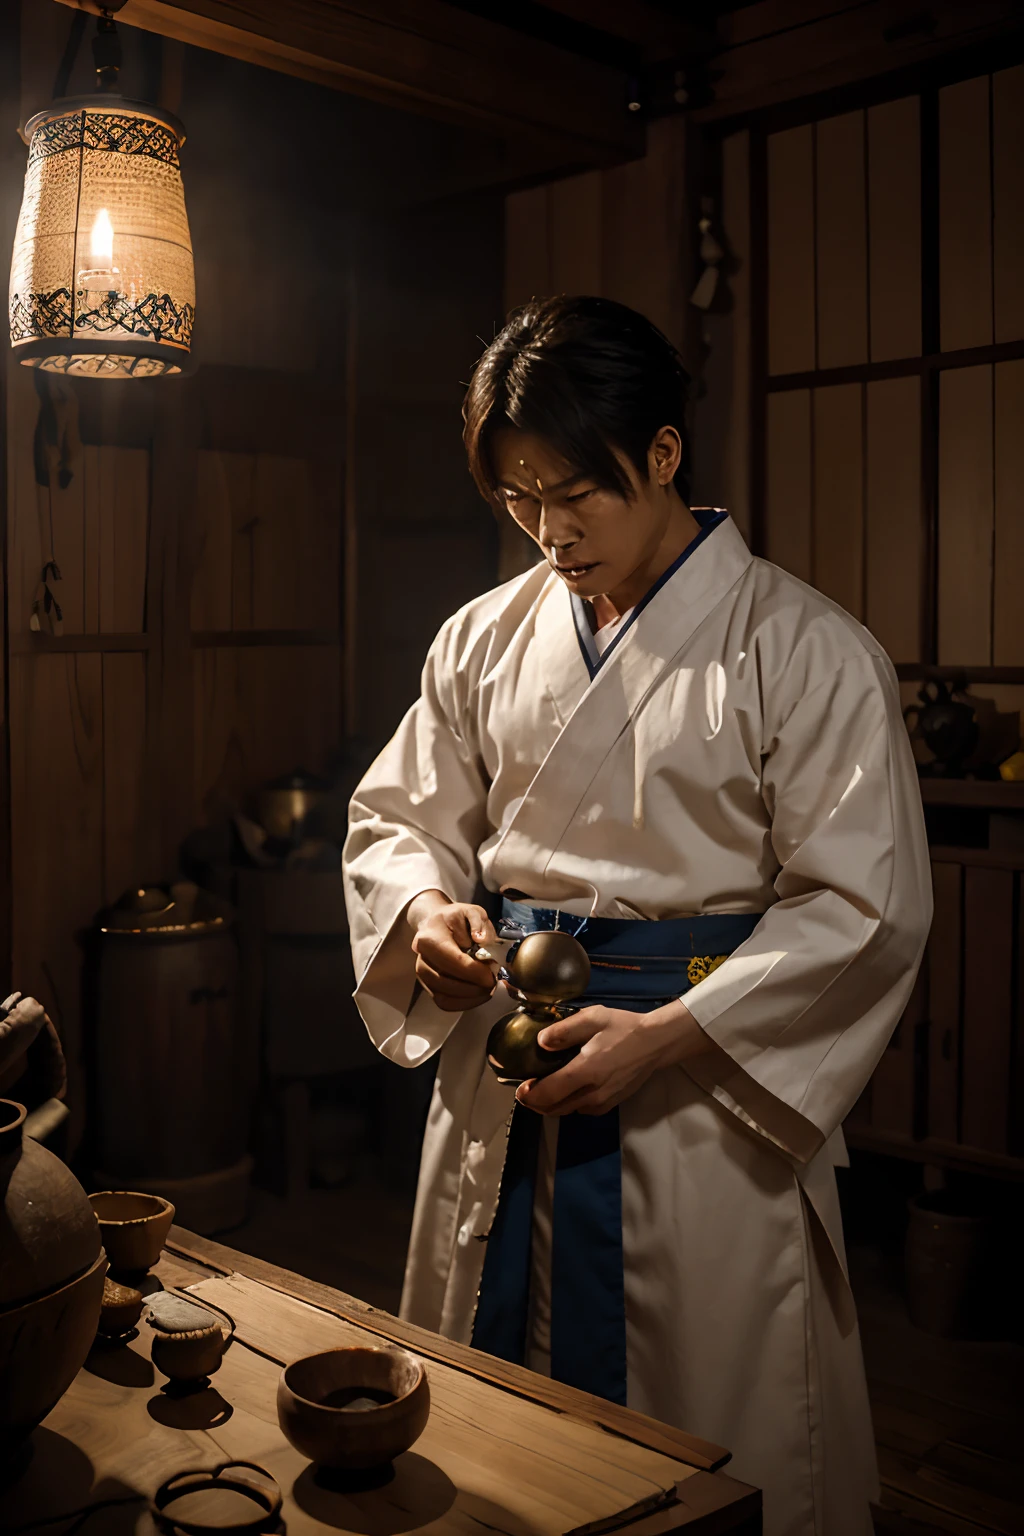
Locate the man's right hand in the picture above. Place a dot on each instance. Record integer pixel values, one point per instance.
(443, 932)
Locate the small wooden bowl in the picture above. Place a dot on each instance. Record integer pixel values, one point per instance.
(311, 1398)
(134, 1227)
(121, 1309)
(189, 1356)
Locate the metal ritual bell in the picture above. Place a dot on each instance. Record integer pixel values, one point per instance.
(548, 968)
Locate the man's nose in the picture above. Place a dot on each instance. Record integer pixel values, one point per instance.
(558, 528)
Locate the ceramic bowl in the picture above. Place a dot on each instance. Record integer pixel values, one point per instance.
(43, 1345)
(121, 1309)
(133, 1227)
(353, 1409)
(189, 1356)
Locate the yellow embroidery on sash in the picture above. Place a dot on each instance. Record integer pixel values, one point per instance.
(702, 965)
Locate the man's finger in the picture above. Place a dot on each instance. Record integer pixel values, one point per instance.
(577, 1029)
(450, 961)
(449, 1004)
(480, 926)
(547, 1094)
(436, 982)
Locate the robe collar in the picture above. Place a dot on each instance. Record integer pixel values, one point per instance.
(707, 520)
(594, 711)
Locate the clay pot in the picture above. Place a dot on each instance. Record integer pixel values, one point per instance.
(121, 1309)
(47, 1231)
(948, 1267)
(134, 1227)
(51, 1279)
(189, 1356)
(353, 1409)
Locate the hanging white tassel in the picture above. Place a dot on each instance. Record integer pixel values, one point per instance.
(711, 254)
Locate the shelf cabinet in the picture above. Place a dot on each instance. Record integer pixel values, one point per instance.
(950, 1087)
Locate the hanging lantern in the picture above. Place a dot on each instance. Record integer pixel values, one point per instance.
(102, 282)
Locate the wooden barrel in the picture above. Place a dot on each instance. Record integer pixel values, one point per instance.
(948, 1266)
(174, 1073)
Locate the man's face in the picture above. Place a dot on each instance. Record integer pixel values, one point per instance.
(591, 536)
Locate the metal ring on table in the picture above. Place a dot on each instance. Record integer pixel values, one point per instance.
(200, 1479)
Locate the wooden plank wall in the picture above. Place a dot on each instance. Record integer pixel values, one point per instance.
(201, 539)
(844, 283)
(428, 287)
(894, 482)
(947, 1081)
(619, 233)
(721, 410)
(843, 225)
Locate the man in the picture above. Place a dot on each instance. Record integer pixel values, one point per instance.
(699, 764)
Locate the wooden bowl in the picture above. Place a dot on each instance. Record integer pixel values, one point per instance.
(189, 1356)
(121, 1309)
(313, 1394)
(133, 1227)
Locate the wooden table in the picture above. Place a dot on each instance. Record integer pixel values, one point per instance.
(505, 1450)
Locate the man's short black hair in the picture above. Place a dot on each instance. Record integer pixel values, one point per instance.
(587, 375)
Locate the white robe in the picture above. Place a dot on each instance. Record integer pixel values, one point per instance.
(740, 750)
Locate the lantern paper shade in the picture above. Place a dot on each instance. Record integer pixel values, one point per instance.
(102, 282)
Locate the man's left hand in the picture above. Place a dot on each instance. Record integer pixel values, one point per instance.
(620, 1050)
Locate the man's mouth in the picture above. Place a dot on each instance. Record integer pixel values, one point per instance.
(580, 568)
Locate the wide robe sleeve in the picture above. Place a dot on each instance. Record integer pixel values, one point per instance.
(415, 824)
(804, 1009)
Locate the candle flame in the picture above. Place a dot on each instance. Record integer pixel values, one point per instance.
(102, 238)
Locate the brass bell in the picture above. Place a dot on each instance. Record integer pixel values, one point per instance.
(547, 970)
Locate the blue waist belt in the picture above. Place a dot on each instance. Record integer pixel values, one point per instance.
(639, 966)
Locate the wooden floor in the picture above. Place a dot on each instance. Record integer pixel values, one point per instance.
(949, 1416)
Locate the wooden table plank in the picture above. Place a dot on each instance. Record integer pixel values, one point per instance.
(504, 1459)
(547, 1471)
(187, 1247)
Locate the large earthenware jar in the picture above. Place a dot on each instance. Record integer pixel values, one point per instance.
(51, 1279)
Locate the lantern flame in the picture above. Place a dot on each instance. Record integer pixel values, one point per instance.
(102, 239)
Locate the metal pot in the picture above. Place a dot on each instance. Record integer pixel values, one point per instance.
(285, 803)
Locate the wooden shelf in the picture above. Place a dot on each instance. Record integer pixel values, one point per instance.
(977, 858)
(206, 639)
(38, 643)
(979, 794)
(920, 671)
(942, 1154)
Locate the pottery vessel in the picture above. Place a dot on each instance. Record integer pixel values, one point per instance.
(312, 1391)
(547, 969)
(134, 1227)
(189, 1356)
(52, 1267)
(121, 1309)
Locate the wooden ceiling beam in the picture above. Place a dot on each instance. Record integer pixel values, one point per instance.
(420, 56)
(654, 33)
(781, 50)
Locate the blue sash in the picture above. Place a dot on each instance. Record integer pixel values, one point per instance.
(636, 965)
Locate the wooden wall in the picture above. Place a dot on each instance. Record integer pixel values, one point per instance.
(865, 395)
(855, 298)
(428, 290)
(250, 557)
(622, 234)
(948, 1088)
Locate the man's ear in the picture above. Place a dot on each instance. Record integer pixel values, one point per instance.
(665, 453)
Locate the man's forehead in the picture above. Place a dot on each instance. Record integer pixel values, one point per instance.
(527, 473)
